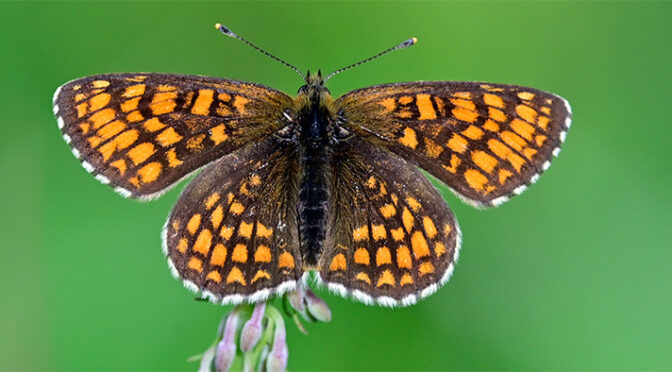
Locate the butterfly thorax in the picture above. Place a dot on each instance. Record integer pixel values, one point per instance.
(314, 128)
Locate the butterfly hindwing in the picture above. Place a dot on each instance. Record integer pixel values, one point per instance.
(486, 141)
(141, 133)
(233, 233)
(391, 238)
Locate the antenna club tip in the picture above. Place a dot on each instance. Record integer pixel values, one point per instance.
(414, 39)
(225, 30)
(218, 25)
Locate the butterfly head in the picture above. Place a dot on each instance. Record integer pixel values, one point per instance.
(314, 86)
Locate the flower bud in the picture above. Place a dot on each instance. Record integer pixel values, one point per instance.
(277, 359)
(317, 307)
(253, 328)
(296, 298)
(226, 348)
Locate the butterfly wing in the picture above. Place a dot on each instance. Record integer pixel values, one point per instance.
(487, 142)
(141, 133)
(391, 238)
(233, 233)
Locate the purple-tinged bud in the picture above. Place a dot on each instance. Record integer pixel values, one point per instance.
(277, 359)
(317, 307)
(296, 298)
(226, 348)
(253, 328)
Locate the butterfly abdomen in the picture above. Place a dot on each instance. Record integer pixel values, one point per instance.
(313, 191)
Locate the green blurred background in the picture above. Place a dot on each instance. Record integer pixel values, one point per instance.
(572, 275)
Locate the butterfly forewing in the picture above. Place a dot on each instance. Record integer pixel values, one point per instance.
(141, 133)
(233, 234)
(486, 141)
(391, 238)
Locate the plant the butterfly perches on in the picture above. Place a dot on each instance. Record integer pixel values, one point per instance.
(291, 186)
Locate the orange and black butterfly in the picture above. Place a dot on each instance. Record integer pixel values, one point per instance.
(311, 183)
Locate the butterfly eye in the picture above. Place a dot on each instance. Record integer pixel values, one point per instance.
(303, 89)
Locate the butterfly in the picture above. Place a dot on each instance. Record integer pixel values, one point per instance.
(294, 185)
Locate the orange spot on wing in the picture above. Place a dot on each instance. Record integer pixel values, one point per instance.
(226, 232)
(120, 142)
(513, 140)
(504, 152)
(217, 216)
(407, 219)
(153, 124)
(211, 200)
(101, 83)
(263, 231)
(203, 242)
(286, 260)
(218, 256)
(150, 172)
(239, 103)
(454, 163)
(524, 129)
(406, 279)
(483, 160)
(527, 113)
(217, 134)
(413, 203)
(389, 104)
(439, 249)
(239, 253)
(162, 107)
(473, 132)
(360, 233)
(102, 117)
(463, 95)
(182, 245)
(398, 234)
(383, 256)
(130, 104)
(235, 275)
(214, 276)
(430, 228)
(173, 161)
(388, 210)
(362, 256)
(245, 230)
(194, 223)
(475, 179)
(134, 90)
(457, 143)
(404, 260)
(409, 139)
(196, 143)
(338, 263)
(526, 95)
(529, 153)
(503, 175)
(405, 100)
(82, 109)
(168, 137)
(542, 122)
(363, 277)
(111, 129)
(195, 264)
(141, 152)
(493, 100)
(491, 126)
(261, 274)
(203, 101)
(465, 115)
(419, 245)
(378, 232)
(386, 278)
(236, 208)
(425, 107)
(134, 116)
(120, 165)
(262, 254)
(426, 268)
(496, 114)
(99, 101)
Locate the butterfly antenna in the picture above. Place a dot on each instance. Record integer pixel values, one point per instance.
(226, 31)
(405, 44)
